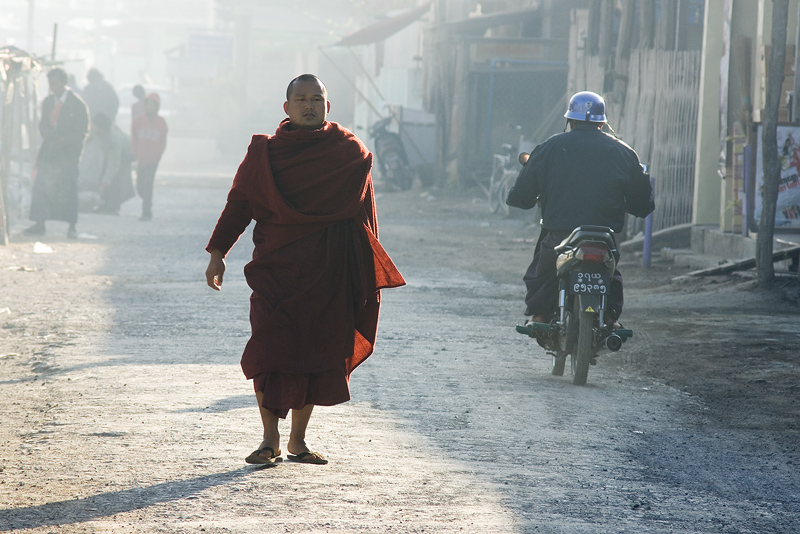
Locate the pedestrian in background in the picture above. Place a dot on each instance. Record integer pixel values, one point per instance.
(148, 141)
(100, 95)
(137, 108)
(317, 268)
(105, 168)
(63, 126)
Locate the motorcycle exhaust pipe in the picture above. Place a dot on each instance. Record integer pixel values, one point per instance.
(613, 342)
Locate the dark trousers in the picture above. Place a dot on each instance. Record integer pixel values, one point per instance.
(145, 177)
(541, 280)
(54, 195)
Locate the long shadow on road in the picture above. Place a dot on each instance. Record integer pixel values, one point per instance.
(108, 504)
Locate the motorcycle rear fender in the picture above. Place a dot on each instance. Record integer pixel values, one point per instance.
(603, 234)
(590, 303)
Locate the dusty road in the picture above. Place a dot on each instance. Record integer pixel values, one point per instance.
(123, 408)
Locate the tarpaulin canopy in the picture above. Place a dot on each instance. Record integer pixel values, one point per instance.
(381, 30)
(481, 23)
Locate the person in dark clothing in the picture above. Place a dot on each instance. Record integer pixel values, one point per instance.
(105, 167)
(64, 124)
(138, 107)
(120, 188)
(583, 176)
(100, 95)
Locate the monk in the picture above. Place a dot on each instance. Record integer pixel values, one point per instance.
(317, 267)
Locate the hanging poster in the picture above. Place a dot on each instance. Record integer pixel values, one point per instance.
(738, 192)
(787, 210)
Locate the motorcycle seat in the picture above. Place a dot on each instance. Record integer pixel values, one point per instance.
(588, 233)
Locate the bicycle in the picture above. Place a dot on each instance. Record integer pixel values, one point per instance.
(504, 173)
(501, 179)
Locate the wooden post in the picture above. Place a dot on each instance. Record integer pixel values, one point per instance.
(6, 129)
(796, 92)
(459, 135)
(681, 23)
(31, 26)
(769, 143)
(623, 54)
(593, 29)
(647, 23)
(55, 38)
(667, 24)
(3, 222)
(606, 43)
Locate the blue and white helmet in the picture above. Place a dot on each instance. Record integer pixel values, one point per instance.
(586, 106)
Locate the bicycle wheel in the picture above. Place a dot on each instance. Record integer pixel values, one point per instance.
(495, 183)
(502, 192)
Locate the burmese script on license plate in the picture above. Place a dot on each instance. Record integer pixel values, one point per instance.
(591, 283)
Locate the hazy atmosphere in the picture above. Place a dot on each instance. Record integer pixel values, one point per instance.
(141, 395)
(221, 67)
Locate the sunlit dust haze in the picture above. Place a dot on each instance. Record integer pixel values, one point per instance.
(220, 66)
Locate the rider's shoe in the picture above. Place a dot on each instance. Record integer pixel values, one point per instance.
(536, 319)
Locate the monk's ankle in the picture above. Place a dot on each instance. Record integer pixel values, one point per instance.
(297, 446)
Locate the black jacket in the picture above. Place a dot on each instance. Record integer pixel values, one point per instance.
(584, 176)
(63, 144)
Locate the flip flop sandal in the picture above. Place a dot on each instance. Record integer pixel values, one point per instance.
(260, 457)
(308, 458)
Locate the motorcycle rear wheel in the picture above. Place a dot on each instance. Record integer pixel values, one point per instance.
(582, 354)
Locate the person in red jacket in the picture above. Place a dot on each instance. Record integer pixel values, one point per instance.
(317, 268)
(148, 141)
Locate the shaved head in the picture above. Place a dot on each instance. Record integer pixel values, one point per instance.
(305, 78)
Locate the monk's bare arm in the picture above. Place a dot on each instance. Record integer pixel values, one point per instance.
(215, 270)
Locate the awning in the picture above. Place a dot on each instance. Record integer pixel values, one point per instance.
(381, 30)
(481, 23)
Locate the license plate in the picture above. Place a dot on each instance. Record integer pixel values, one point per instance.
(588, 283)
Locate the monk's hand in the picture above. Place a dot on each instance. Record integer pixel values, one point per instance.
(215, 270)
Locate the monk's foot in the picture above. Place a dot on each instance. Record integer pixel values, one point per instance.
(309, 457)
(264, 456)
(302, 454)
(267, 453)
(273, 443)
(297, 446)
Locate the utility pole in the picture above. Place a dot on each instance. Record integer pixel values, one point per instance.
(31, 35)
(769, 143)
(796, 91)
(55, 38)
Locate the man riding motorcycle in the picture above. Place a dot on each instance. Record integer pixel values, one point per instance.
(583, 176)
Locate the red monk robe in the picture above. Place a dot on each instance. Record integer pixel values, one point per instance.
(317, 267)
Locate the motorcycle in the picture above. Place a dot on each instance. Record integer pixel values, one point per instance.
(585, 265)
(391, 155)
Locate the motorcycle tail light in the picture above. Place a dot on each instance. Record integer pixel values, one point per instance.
(592, 253)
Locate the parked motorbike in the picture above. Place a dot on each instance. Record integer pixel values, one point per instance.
(585, 265)
(391, 155)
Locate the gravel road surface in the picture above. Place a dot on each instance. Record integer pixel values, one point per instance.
(124, 409)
